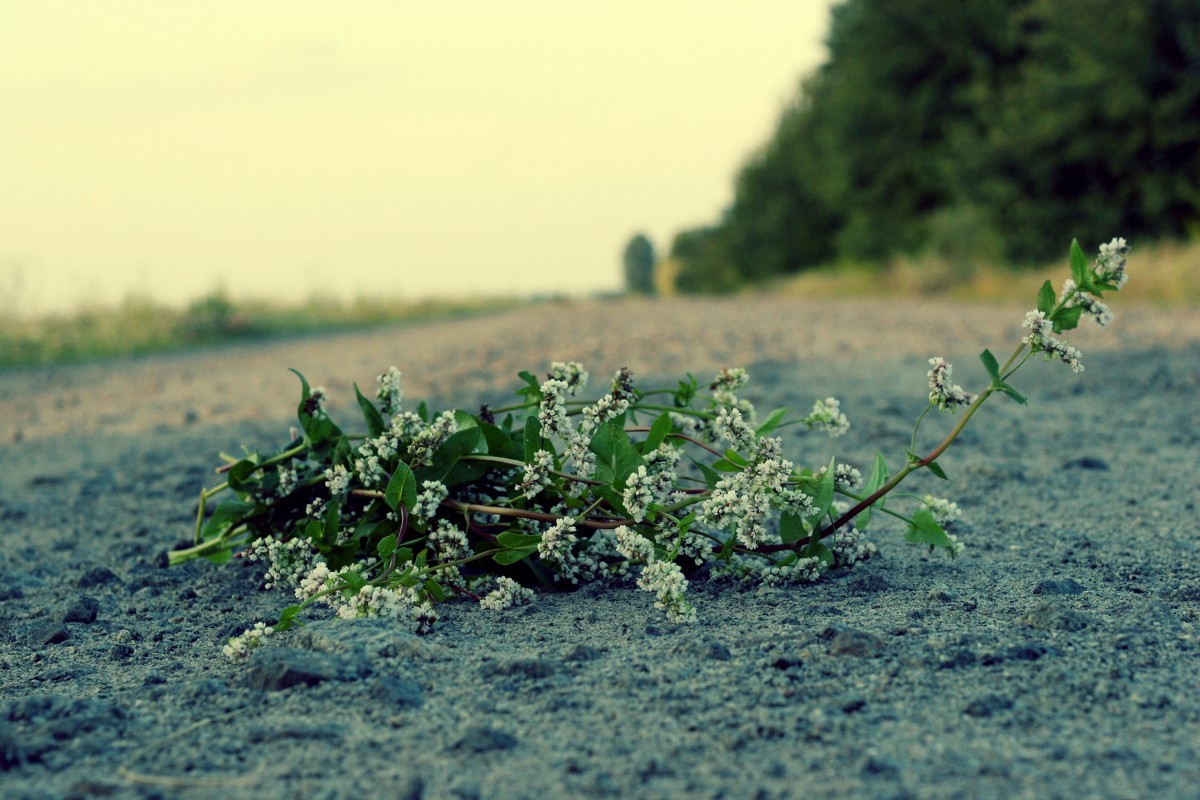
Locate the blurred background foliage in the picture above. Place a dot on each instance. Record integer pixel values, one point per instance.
(989, 132)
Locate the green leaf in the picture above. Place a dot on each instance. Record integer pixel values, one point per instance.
(1066, 319)
(616, 455)
(711, 476)
(658, 433)
(532, 438)
(287, 619)
(815, 549)
(445, 463)
(1046, 298)
(512, 539)
(386, 546)
(501, 442)
(990, 363)
(1079, 267)
(317, 429)
(772, 421)
(513, 556)
(686, 390)
(822, 494)
(401, 489)
(371, 414)
(791, 528)
(933, 467)
(228, 514)
(435, 590)
(879, 476)
(532, 388)
(924, 529)
(1012, 393)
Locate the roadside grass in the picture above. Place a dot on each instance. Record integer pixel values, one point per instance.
(1161, 273)
(139, 326)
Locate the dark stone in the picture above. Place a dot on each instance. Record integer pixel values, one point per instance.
(702, 648)
(82, 609)
(987, 705)
(870, 584)
(96, 576)
(120, 652)
(1085, 462)
(1065, 586)
(484, 739)
(532, 668)
(48, 631)
(856, 643)
(963, 658)
(396, 693)
(583, 652)
(276, 668)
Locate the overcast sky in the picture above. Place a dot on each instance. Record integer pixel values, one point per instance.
(408, 149)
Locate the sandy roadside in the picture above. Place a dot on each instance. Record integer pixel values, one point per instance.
(454, 358)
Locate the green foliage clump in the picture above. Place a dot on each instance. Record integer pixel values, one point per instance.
(978, 131)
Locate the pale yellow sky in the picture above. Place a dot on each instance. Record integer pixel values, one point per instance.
(285, 148)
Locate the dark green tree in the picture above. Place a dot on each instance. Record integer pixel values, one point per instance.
(639, 265)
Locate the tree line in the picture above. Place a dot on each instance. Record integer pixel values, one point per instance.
(994, 129)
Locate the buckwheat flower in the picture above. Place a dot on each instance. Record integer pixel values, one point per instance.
(571, 373)
(552, 411)
(606, 408)
(663, 458)
(1110, 264)
(389, 392)
(729, 379)
(943, 510)
(557, 548)
(406, 425)
(1040, 338)
(337, 479)
(287, 482)
(448, 542)
(849, 548)
(622, 384)
(396, 604)
(432, 437)
(287, 561)
(584, 460)
(318, 579)
(537, 473)
(666, 581)
(314, 406)
(827, 416)
(633, 546)
(315, 508)
(508, 593)
(239, 647)
(846, 476)
(731, 426)
(1094, 308)
(942, 392)
(429, 499)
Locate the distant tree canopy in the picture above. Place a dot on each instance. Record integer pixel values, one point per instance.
(638, 261)
(1006, 126)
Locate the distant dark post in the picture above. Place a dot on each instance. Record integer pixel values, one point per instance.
(639, 265)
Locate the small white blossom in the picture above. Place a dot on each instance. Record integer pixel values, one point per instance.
(509, 593)
(337, 479)
(942, 392)
(287, 481)
(606, 408)
(448, 542)
(731, 426)
(537, 473)
(552, 411)
(943, 510)
(827, 416)
(1110, 264)
(666, 581)
(1040, 338)
(633, 546)
(389, 392)
(429, 499)
(571, 373)
(239, 647)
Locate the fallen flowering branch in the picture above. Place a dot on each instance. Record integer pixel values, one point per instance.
(559, 491)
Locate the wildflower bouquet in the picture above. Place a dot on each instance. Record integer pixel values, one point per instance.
(656, 485)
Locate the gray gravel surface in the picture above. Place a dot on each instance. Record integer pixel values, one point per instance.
(1056, 658)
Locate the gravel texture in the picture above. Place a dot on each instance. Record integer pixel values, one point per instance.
(1057, 657)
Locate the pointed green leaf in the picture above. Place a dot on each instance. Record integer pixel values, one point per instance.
(879, 476)
(532, 438)
(822, 494)
(991, 364)
(1013, 393)
(386, 546)
(1079, 266)
(924, 529)
(401, 489)
(658, 433)
(1066, 319)
(771, 422)
(512, 539)
(937, 470)
(791, 528)
(1046, 298)
(616, 455)
(513, 556)
(371, 414)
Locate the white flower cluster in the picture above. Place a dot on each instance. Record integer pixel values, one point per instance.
(337, 479)
(645, 487)
(943, 510)
(665, 579)
(1110, 264)
(509, 593)
(743, 500)
(1092, 306)
(389, 392)
(288, 481)
(827, 416)
(238, 648)
(1041, 338)
(429, 499)
(571, 373)
(942, 392)
(552, 411)
(537, 473)
(432, 437)
(287, 561)
(401, 604)
(849, 548)
(448, 542)
(770, 573)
